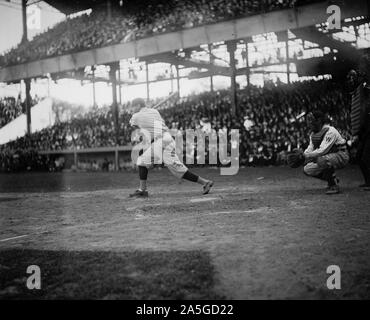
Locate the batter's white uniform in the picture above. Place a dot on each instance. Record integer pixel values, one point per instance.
(162, 147)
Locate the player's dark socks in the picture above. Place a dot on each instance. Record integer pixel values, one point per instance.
(329, 176)
(333, 182)
(143, 173)
(190, 176)
(207, 184)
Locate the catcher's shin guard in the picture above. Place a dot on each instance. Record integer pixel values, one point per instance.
(329, 176)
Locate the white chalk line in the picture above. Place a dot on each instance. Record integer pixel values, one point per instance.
(61, 229)
(121, 194)
(137, 217)
(167, 204)
(14, 238)
(257, 210)
(196, 200)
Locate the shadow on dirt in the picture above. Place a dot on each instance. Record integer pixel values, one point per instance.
(108, 275)
(7, 199)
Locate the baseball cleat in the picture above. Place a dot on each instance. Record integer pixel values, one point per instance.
(207, 187)
(336, 182)
(139, 194)
(333, 189)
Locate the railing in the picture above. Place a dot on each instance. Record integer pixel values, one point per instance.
(76, 153)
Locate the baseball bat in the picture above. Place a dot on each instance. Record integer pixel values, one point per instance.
(165, 100)
(301, 115)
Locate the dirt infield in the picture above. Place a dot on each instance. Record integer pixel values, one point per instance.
(264, 233)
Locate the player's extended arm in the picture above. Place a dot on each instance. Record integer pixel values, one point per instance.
(135, 136)
(309, 148)
(133, 122)
(326, 144)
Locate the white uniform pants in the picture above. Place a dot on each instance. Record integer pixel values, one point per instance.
(163, 150)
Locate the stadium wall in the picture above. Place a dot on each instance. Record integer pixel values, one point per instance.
(119, 157)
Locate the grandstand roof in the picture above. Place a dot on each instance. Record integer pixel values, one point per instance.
(72, 6)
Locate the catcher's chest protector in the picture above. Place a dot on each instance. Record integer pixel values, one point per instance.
(318, 137)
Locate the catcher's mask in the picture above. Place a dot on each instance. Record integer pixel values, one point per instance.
(316, 120)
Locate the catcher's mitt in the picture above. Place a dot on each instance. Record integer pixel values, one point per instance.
(295, 158)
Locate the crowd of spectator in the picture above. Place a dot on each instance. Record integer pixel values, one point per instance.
(268, 122)
(134, 20)
(10, 108)
(24, 159)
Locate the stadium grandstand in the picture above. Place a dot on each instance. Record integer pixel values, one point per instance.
(251, 65)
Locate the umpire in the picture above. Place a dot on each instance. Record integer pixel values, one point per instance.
(359, 84)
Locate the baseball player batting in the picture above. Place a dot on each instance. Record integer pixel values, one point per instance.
(162, 146)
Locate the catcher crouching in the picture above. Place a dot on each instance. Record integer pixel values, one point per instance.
(326, 152)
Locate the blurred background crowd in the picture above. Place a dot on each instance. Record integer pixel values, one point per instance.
(269, 122)
(135, 20)
(11, 108)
